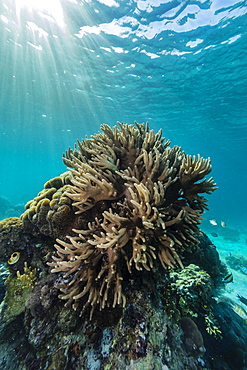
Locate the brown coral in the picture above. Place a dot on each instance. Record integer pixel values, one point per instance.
(140, 200)
(51, 211)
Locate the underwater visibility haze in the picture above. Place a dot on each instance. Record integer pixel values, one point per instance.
(71, 69)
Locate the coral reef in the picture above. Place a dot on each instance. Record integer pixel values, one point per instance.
(140, 201)
(129, 252)
(238, 263)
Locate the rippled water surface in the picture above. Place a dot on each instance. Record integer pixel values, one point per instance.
(68, 66)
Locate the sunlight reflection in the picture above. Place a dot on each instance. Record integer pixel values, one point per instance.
(53, 8)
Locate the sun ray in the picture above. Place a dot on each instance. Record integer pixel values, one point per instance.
(50, 8)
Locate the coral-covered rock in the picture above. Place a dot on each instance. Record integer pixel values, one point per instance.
(192, 288)
(12, 238)
(18, 287)
(134, 263)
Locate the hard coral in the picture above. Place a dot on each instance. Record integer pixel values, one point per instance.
(139, 199)
(51, 211)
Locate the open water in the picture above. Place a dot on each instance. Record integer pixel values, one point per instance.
(68, 66)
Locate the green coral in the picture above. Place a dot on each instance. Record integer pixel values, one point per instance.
(212, 326)
(192, 287)
(18, 287)
(189, 293)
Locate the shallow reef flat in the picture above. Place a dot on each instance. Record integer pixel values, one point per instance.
(107, 268)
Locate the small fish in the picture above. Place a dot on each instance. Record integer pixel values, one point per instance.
(223, 224)
(228, 278)
(242, 299)
(213, 222)
(240, 311)
(243, 269)
(215, 235)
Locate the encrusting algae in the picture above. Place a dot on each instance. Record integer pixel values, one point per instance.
(18, 287)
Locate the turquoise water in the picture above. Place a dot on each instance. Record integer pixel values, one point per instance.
(69, 66)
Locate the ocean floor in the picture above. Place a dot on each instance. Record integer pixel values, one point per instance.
(232, 248)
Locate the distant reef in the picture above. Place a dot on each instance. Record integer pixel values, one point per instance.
(7, 209)
(107, 268)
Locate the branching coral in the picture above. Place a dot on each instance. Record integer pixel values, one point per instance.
(139, 199)
(212, 326)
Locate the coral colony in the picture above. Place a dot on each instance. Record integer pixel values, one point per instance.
(138, 200)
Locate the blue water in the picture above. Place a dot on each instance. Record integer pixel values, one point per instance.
(69, 66)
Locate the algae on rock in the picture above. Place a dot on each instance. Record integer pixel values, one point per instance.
(18, 287)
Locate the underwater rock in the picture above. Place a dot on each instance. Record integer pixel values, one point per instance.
(230, 351)
(207, 257)
(192, 336)
(12, 237)
(3, 276)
